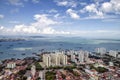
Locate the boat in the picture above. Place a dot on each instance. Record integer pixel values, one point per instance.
(23, 54)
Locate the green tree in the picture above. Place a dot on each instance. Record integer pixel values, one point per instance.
(21, 72)
(50, 75)
(38, 66)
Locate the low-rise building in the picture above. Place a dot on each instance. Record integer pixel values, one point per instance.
(33, 70)
(11, 65)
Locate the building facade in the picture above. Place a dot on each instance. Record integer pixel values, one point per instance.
(11, 65)
(54, 59)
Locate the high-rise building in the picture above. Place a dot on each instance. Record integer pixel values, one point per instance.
(101, 50)
(118, 56)
(55, 59)
(86, 56)
(113, 53)
(47, 60)
(73, 58)
(63, 59)
(81, 56)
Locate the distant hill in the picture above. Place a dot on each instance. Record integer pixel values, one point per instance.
(37, 36)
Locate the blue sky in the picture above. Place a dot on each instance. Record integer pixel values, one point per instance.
(85, 18)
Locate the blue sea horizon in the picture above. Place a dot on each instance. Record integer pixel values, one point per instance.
(26, 48)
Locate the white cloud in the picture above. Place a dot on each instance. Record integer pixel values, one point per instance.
(93, 12)
(57, 15)
(42, 25)
(25, 29)
(16, 2)
(116, 6)
(53, 11)
(67, 3)
(35, 1)
(43, 20)
(62, 3)
(111, 7)
(72, 14)
(1, 27)
(101, 9)
(48, 30)
(1, 16)
(107, 7)
(97, 15)
(91, 8)
(4, 30)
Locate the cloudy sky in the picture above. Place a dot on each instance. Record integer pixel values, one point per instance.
(85, 18)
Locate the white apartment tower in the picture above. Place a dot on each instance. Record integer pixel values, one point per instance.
(113, 53)
(63, 59)
(47, 60)
(86, 55)
(100, 50)
(73, 58)
(55, 59)
(81, 56)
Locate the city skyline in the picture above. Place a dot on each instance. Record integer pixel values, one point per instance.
(85, 18)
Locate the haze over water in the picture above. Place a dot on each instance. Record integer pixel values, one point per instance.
(22, 49)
